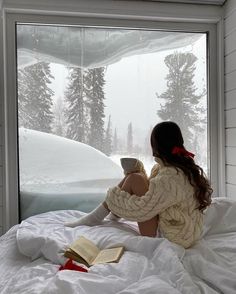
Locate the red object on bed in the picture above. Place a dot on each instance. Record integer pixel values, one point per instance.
(69, 265)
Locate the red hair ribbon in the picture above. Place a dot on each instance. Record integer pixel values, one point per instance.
(182, 151)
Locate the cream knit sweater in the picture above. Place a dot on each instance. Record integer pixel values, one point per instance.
(171, 196)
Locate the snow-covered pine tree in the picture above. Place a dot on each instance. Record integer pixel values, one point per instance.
(77, 124)
(108, 138)
(35, 97)
(115, 142)
(130, 138)
(59, 122)
(94, 90)
(181, 103)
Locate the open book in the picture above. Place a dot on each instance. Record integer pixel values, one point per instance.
(86, 252)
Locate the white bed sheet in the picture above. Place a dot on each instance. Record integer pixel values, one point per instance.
(11, 259)
(149, 265)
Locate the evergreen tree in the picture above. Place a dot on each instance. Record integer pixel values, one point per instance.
(59, 123)
(108, 138)
(180, 99)
(94, 90)
(115, 142)
(35, 97)
(76, 118)
(130, 138)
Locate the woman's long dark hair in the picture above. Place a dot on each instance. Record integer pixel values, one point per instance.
(164, 138)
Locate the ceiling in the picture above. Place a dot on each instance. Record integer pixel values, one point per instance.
(213, 2)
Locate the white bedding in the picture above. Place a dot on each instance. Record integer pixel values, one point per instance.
(149, 265)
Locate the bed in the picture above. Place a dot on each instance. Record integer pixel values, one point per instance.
(32, 252)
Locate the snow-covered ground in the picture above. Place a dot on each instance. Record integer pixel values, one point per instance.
(50, 160)
(58, 173)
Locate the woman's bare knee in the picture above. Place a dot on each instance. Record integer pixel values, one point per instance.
(135, 183)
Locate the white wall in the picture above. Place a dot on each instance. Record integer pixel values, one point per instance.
(1, 129)
(230, 96)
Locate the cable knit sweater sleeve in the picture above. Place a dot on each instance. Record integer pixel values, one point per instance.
(163, 192)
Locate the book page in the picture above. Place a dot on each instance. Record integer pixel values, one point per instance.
(74, 256)
(86, 249)
(109, 255)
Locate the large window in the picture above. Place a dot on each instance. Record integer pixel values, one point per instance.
(88, 96)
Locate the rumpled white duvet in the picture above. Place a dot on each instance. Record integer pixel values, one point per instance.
(149, 265)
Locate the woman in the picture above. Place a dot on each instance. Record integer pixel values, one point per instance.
(172, 203)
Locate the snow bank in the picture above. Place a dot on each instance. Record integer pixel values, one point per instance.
(58, 173)
(50, 159)
(97, 47)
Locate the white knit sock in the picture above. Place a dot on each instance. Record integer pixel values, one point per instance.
(91, 219)
(113, 217)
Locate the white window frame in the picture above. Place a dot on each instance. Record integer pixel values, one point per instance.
(179, 17)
